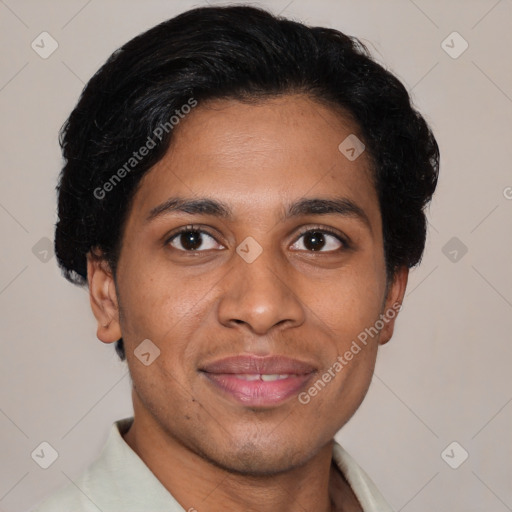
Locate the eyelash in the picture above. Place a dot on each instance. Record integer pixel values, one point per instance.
(320, 229)
(314, 229)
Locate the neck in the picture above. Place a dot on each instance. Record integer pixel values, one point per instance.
(197, 484)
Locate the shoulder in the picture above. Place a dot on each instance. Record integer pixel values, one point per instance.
(97, 483)
(67, 498)
(361, 484)
(117, 481)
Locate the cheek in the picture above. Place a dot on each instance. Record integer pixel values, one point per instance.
(327, 406)
(170, 316)
(154, 303)
(348, 304)
(354, 309)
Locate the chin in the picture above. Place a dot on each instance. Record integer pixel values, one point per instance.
(254, 460)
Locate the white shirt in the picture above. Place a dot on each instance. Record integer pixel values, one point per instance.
(119, 481)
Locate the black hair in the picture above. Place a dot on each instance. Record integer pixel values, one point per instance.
(236, 52)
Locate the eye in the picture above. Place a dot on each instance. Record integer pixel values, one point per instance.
(191, 239)
(320, 240)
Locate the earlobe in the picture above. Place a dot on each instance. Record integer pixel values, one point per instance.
(393, 303)
(103, 298)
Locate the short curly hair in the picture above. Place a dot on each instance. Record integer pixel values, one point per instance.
(248, 54)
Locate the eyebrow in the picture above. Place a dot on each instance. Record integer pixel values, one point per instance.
(307, 206)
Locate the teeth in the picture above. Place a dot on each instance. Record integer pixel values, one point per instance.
(269, 378)
(265, 378)
(248, 376)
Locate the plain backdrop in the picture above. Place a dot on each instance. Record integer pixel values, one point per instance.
(445, 377)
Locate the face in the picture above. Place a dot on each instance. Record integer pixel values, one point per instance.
(253, 292)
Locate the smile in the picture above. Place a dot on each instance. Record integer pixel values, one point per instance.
(258, 381)
(258, 390)
(264, 377)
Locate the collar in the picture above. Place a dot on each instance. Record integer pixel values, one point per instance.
(139, 489)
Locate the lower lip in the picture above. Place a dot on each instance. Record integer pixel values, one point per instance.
(258, 392)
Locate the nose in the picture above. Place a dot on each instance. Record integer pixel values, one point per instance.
(260, 295)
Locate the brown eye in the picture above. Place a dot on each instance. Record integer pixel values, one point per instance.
(314, 240)
(192, 240)
(317, 240)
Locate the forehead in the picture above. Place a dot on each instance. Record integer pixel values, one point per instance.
(258, 155)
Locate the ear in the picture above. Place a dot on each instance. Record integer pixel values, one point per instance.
(103, 298)
(393, 303)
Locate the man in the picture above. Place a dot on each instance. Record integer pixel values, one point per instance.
(244, 197)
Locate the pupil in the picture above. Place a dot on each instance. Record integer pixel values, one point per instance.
(191, 240)
(314, 241)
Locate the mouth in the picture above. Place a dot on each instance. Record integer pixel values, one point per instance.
(258, 381)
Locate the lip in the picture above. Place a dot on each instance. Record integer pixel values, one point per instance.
(230, 375)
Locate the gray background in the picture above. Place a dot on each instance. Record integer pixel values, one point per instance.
(444, 377)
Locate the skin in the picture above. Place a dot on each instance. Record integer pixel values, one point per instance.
(200, 306)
